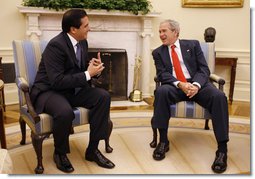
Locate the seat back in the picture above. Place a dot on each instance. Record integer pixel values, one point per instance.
(208, 49)
(27, 56)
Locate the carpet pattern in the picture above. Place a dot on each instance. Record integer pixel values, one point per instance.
(192, 151)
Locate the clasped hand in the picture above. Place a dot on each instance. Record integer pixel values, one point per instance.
(95, 66)
(189, 89)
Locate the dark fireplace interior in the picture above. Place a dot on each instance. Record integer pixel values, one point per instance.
(114, 76)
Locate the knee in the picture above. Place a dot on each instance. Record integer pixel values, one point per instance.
(219, 95)
(65, 115)
(162, 91)
(105, 95)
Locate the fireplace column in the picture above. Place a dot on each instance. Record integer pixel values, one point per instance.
(33, 30)
(146, 56)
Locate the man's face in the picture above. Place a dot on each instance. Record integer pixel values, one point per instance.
(82, 32)
(167, 36)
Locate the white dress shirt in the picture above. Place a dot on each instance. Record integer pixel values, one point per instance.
(184, 68)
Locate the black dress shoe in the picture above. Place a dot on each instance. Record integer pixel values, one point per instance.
(63, 163)
(161, 149)
(98, 157)
(220, 163)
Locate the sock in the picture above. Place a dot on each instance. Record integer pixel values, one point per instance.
(93, 145)
(163, 135)
(222, 146)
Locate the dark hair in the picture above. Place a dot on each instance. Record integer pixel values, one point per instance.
(72, 18)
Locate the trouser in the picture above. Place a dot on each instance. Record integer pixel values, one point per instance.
(208, 97)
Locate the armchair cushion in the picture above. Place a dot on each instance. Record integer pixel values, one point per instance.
(45, 124)
(189, 109)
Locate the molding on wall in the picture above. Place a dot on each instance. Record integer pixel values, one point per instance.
(240, 54)
(7, 55)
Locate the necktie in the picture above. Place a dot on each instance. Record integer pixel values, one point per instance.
(78, 54)
(177, 66)
(78, 57)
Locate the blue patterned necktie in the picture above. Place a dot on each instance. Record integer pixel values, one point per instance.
(78, 54)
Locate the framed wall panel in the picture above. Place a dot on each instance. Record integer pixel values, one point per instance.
(212, 3)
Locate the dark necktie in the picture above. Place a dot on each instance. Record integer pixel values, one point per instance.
(78, 57)
(177, 66)
(78, 54)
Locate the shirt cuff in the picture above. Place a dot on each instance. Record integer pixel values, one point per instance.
(197, 84)
(87, 75)
(176, 83)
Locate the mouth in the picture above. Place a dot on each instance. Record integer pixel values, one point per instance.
(163, 38)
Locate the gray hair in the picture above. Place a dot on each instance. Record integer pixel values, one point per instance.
(174, 25)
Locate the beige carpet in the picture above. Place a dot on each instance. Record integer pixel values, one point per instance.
(192, 151)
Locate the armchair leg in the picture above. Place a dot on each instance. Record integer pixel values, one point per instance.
(22, 124)
(154, 141)
(108, 148)
(206, 124)
(37, 144)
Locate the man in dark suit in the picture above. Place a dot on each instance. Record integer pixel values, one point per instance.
(184, 75)
(63, 82)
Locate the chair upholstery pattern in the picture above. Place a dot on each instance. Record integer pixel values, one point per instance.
(27, 56)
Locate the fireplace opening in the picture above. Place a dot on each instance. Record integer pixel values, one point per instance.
(114, 77)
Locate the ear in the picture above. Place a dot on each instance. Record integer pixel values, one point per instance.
(73, 30)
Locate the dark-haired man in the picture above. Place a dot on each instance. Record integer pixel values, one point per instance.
(63, 82)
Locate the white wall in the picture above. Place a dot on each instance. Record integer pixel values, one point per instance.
(232, 38)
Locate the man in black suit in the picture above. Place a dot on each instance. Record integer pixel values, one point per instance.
(192, 84)
(63, 82)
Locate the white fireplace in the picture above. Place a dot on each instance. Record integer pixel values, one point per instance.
(109, 29)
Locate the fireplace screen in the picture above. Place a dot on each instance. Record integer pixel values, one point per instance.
(114, 76)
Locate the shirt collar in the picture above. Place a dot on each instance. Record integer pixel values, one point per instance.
(73, 40)
(177, 44)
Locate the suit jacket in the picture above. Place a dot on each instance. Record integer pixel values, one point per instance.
(58, 70)
(193, 58)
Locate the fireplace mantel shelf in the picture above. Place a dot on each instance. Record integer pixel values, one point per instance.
(93, 12)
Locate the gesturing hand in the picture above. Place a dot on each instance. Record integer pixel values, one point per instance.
(95, 66)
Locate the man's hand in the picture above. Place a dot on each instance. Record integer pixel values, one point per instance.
(95, 66)
(193, 90)
(189, 89)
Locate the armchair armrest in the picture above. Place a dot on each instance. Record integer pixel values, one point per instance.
(23, 86)
(213, 78)
(217, 79)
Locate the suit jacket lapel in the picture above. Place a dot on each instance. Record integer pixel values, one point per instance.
(186, 54)
(166, 58)
(71, 49)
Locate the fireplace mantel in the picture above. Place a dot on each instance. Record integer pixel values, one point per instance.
(109, 29)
